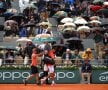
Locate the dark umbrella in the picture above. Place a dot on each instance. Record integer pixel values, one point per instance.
(60, 49)
(8, 14)
(74, 39)
(17, 16)
(75, 43)
(60, 45)
(55, 4)
(103, 12)
(30, 25)
(67, 9)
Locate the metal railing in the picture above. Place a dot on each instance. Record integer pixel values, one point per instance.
(58, 62)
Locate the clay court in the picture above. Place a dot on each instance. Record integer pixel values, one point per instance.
(55, 87)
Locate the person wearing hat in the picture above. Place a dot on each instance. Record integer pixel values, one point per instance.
(87, 54)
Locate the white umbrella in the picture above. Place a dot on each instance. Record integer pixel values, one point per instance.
(95, 21)
(94, 18)
(23, 40)
(105, 3)
(43, 35)
(81, 21)
(67, 20)
(68, 29)
(12, 10)
(69, 24)
(83, 28)
(45, 23)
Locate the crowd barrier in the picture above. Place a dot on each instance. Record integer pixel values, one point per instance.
(65, 75)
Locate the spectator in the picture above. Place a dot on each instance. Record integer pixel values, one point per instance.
(105, 57)
(76, 57)
(22, 32)
(28, 50)
(9, 56)
(86, 70)
(45, 29)
(1, 58)
(105, 40)
(39, 30)
(98, 41)
(47, 46)
(67, 56)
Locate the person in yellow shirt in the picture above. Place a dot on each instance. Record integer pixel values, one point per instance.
(87, 54)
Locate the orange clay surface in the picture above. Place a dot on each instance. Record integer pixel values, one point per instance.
(55, 87)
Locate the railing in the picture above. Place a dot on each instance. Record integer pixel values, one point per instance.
(58, 62)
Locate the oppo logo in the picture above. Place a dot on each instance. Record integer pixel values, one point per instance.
(17, 75)
(13, 75)
(103, 76)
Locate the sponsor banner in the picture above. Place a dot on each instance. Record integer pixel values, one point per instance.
(100, 76)
(17, 76)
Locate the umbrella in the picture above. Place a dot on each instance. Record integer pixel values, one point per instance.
(97, 1)
(55, 4)
(30, 6)
(68, 29)
(23, 39)
(103, 12)
(95, 21)
(67, 19)
(80, 21)
(83, 28)
(60, 45)
(17, 16)
(10, 22)
(73, 39)
(94, 18)
(30, 25)
(12, 10)
(60, 14)
(97, 28)
(43, 35)
(40, 40)
(69, 24)
(45, 23)
(67, 10)
(8, 14)
(2, 47)
(105, 3)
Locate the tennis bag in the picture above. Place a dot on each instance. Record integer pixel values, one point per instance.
(48, 60)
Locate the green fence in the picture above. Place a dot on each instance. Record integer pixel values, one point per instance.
(100, 76)
(61, 76)
(16, 76)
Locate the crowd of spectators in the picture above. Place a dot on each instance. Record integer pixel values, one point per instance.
(28, 22)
